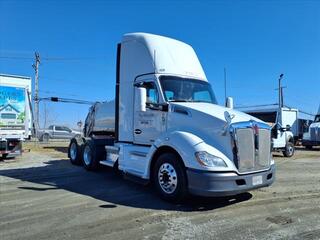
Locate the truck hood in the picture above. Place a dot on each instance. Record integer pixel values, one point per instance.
(315, 125)
(207, 121)
(217, 111)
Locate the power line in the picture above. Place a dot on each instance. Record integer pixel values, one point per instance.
(71, 58)
(66, 100)
(16, 58)
(59, 93)
(54, 58)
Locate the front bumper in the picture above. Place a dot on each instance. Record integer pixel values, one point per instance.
(204, 183)
(310, 143)
(10, 147)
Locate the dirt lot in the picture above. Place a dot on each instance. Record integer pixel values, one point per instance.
(42, 196)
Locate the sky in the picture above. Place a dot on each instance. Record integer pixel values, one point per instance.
(255, 41)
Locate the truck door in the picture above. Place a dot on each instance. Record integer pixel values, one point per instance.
(150, 124)
(280, 140)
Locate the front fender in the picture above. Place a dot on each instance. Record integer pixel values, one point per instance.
(187, 144)
(289, 136)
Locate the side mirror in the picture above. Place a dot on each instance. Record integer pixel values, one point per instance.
(140, 99)
(288, 127)
(229, 102)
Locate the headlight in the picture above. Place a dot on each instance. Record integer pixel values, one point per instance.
(208, 160)
(272, 161)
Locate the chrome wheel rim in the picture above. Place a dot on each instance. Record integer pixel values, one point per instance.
(167, 178)
(73, 151)
(87, 155)
(290, 150)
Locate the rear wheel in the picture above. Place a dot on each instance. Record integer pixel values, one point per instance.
(289, 150)
(74, 152)
(91, 155)
(169, 177)
(45, 137)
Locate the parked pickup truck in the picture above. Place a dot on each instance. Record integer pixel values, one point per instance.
(57, 132)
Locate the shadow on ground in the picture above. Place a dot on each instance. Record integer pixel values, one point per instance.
(108, 186)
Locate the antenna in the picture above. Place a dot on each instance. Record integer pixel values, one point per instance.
(225, 85)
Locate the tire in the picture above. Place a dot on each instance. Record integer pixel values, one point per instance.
(91, 155)
(289, 150)
(174, 187)
(75, 152)
(45, 137)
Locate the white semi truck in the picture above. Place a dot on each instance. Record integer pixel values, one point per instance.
(312, 137)
(165, 126)
(15, 113)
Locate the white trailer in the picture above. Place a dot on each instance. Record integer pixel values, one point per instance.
(15, 113)
(166, 127)
(312, 137)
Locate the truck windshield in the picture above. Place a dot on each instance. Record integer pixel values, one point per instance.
(176, 89)
(317, 119)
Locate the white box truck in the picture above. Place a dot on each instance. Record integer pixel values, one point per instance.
(165, 126)
(312, 137)
(15, 113)
(284, 123)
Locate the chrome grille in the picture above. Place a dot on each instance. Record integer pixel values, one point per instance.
(264, 155)
(245, 149)
(253, 147)
(315, 133)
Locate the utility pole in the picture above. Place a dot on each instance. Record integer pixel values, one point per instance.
(36, 91)
(280, 92)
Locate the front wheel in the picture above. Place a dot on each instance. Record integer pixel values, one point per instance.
(289, 150)
(170, 178)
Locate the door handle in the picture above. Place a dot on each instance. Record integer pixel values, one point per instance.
(137, 131)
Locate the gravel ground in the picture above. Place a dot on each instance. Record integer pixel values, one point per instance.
(43, 196)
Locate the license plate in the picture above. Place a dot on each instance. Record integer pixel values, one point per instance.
(256, 180)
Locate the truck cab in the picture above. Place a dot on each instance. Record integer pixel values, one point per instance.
(312, 137)
(169, 130)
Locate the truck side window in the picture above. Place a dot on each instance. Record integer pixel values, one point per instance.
(59, 128)
(152, 92)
